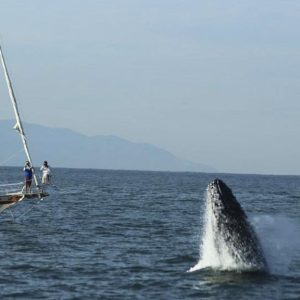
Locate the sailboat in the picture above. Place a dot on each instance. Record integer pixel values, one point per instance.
(10, 198)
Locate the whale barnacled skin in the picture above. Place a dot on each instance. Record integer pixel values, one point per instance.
(233, 228)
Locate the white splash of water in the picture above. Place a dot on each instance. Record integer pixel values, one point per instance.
(279, 237)
(216, 256)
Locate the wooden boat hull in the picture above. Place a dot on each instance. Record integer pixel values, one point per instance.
(11, 198)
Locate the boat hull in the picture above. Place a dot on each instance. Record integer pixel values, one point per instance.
(16, 197)
(11, 198)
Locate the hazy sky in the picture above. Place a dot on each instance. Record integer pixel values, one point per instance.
(215, 82)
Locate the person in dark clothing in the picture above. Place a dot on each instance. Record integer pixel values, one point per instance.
(27, 176)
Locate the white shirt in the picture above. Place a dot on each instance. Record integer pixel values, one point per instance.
(46, 170)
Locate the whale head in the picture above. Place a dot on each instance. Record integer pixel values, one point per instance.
(223, 202)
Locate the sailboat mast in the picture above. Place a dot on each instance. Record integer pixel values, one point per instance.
(19, 125)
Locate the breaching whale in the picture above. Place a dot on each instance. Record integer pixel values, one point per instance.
(232, 230)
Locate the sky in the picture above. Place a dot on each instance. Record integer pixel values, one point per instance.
(212, 81)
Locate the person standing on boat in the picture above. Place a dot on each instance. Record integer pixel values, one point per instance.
(46, 173)
(28, 176)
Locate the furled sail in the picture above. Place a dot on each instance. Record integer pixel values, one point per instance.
(18, 126)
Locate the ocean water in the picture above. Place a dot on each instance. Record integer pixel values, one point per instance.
(134, 235)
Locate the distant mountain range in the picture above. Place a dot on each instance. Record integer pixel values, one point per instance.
(66, 148)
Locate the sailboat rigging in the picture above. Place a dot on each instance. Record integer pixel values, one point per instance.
(9, 199)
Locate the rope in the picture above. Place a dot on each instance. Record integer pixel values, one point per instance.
(27, 211)
(11, 157)
(8, 184)
(15, 218)
(12, 215)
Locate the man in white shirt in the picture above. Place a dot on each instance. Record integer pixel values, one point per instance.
(46, 173)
